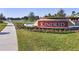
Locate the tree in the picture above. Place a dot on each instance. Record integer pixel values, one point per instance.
(60, 13)
(77, 14)
(25, 18)
(36, 17)
(1, 18)
(73, 14)
(31, 16)
(49, 15)
(45, 16)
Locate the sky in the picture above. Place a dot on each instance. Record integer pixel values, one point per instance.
(20, 12)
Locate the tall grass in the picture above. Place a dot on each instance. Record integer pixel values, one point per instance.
(2, 26)
(42, 41)
(36, 41)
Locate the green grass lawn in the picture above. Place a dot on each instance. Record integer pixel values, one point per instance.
(2, 26)
(36, 41)
(39, 41)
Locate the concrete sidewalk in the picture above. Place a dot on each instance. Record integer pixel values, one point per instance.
(8, 38)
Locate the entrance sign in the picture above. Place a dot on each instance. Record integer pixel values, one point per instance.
(52, 24)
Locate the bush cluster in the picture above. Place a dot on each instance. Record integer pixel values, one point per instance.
(60, 31)
(19, 26)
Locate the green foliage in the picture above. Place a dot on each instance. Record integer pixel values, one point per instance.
(24, 18)
(49, 15)
(38, 41)
(60, 13)
(19, 25)
(43, 41)
(77, 14)
(1, 18)
(31, 16)
(2, 26)
(73, 14)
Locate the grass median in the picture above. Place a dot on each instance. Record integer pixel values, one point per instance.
(41, 41)
(2, 26)
(35, 41)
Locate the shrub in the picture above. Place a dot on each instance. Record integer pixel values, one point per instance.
(19, 25)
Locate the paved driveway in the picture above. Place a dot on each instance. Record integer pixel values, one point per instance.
(8, 38)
